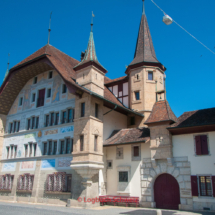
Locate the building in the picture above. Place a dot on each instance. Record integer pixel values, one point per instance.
(69, 133)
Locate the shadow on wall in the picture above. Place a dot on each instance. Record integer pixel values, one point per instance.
(163, 212)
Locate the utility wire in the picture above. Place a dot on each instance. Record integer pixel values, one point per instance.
(184, 29)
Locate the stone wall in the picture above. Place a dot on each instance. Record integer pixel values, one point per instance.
(178, 167)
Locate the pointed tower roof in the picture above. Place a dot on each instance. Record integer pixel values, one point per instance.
(144, 52)
(161, 112)
(90, 56)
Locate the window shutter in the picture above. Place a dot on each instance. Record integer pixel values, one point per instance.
(194, 185)
(198, 145)
(213, 185)
(204, 143)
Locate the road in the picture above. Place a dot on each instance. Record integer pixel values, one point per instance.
(36, 209)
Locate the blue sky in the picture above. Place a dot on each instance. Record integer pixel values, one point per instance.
(190, 67)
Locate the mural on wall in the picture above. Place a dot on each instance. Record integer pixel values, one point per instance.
(67, 129)
(27, 165)
(27, 95)
(32, 135)
(46, 164)
(56, 89)
(9, 166)
(14, 107)
(49, 132)
(64, 162)
(70, 96)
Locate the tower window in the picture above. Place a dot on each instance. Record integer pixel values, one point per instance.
(35, 80)
(150, 76)
(96, 110)
(82, 109)
(137, 95)
(96, 143)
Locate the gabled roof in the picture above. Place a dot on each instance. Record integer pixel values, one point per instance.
(128, 135)
(161, 112)
(195, 118)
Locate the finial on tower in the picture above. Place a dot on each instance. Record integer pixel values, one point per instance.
(8, 61)
(92, 22)
(143, 8)
(49, 30)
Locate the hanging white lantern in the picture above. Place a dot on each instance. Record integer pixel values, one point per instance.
(167, 20)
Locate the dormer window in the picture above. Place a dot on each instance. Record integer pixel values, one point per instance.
(35, 80)
(50, 75)
(150, 76)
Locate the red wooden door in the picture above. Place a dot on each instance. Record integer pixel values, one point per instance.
(166, 192)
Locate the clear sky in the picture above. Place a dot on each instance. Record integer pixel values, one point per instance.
(190, 67)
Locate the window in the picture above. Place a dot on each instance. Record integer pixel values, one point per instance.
(132, 120)
(119, 153)
(37, 122)
(68, 146)
(52, 119)
(136, 151)
(137, 95)
(50, 75)
(35, 80)
(45, 148)
(64, 88)
(56, 118)
(11, 128)
(25, 182)
(41, 97)
(33, 97)
(201, 143)
(26, 150)
(30, 146)
(96, 143)
(62, 147)
(14, 126)
(64, 117)
(205, 185)
(59, 182)
(15, 151)
(11, 149)
(35, 149)
(49, 93)
(20, 101)
(18, 126)
(96, 110)
(47, 121)
(50, 148)
(7, 150)
(82, 109)
(70, 115)
(33, 122)
(82, 143)
(55, 148)
(6, 182)
(123, 176)
(28, 124)
(150, 76)
(109, 164)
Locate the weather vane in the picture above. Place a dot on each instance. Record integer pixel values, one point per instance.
(92, 21)
(49, 30)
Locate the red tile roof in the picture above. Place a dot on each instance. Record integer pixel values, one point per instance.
(116, 79)
(196, 118)
(128, 135)
(161, 111)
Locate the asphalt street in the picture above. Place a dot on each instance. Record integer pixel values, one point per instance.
(36, 209)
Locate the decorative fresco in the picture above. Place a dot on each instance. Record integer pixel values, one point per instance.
(27, 95)
(70, 96)
(56, 89)
(13, 109)
(46, 164)
(67, 129)
(9, 166)
(27, 165)
(50, 132)
(64, 162)
(30, 135)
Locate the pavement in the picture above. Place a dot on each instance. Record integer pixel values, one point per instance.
(7, 208)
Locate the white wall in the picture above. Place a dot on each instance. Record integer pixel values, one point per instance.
(112, 174)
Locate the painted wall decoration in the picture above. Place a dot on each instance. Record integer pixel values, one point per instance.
(49, 132)
(9, 166)
(30, 135)
(14, 107)
(64, 162)
(67, 129)
(27, 165)
(27, 95)
(46, 164)
(56, 89)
